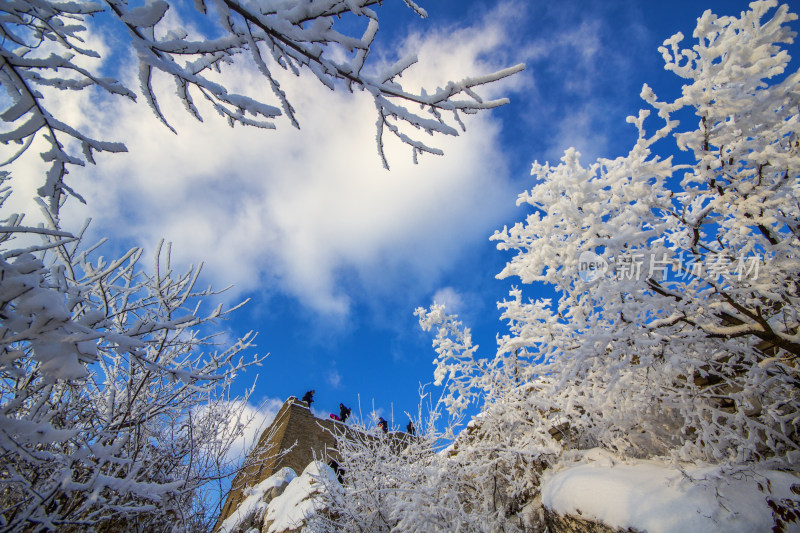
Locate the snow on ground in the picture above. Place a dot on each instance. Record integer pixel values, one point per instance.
(254, 502)
(292, 508)
(658, 497)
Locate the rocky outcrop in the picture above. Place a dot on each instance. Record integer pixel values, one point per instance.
(300, 502)
(557, 523)
(294, 440)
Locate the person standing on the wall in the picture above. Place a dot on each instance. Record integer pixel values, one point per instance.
(344, 412)
(410, 428)
(383, 425)
(309, 397)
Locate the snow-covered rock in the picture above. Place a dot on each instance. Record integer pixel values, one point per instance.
(282, 503)
(290, 511)
(258, 497)
(659, 497)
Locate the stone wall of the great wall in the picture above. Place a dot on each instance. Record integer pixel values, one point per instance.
(294, 429)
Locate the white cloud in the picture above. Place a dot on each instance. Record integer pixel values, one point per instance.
(320, 413)
(450, 298)
(257, 418)
(334, 379)
(578, 129)
(294, 210)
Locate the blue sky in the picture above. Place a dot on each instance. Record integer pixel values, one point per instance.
(334, 252)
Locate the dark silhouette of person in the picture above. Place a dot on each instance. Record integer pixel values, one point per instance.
(337, 470)
(383, 425)
(410, 428)
(344, 412)
(309, 397)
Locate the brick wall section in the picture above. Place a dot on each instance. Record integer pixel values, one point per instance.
(295, 429)
(312, 438)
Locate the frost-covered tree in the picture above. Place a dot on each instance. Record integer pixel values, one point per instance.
(499, 457)
(113, 392)
(675, 329)
(43, 45)
(676, 325)
(368, 463)
(429, 482)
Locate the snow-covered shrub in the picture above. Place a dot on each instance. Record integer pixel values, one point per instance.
(369, 463)
(102, 368)
(500, 456)
(428, 482)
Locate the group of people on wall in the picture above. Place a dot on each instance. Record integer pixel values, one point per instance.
(344, 414)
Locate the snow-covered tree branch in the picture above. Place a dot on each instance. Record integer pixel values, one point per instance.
(102, 370)
(44, 46)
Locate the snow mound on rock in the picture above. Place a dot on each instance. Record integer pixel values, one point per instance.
(292, 509)
(254, 505)
(658, 497)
